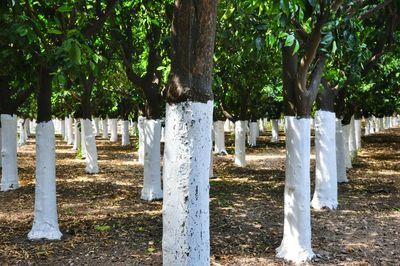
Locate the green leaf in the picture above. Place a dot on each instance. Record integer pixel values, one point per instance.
(289, 40)
(64, 9)
(228, 13)
(102, 228)
(296, 47)
(54, 31)
(334, 47)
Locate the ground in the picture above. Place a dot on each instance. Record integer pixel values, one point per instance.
(104, 222)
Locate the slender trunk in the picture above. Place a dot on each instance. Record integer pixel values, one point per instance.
(141, 126)
(125, 133)
(105, 128)
(240, 143)
(96, 126)
(341, 152)
(352, 138)
(77, 135)
(45, 224)
(296, 242)
(275, 130)
(22, 132)
(89, 142)
(357, 133)
(367, 128)
(325, 193)
(253, 134)
(83, 146)
(66, 126)
(346, 137)
(70, 131)
(219, 138)
(62, 128)
(27, 126)
(152, 177)
(8, 139)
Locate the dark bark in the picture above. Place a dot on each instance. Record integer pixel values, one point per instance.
(87, 84)
(44, 93)
(326, 97)
(193, 34)
(96, 25)
(9, 102)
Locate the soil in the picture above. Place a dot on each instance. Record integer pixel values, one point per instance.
(104, 222)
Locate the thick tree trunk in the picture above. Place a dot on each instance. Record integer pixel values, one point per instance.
(275, 130)
(219, 138)
(325, 193)
(113, 129)
(9, 180)
(296, 242)
(152, 177)
(186, 236)
(240, 143)
(96, 126)
(125, 133)
(357, 133)
(341, 152)
(45, 224)
(89, 142)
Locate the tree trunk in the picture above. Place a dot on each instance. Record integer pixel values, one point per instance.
(89, 142)
(114, 129)
(240, 143)
(253, 134)
(96, 126)
(77, 135)
(275, 130)
(125, 133)
(8, 139)
(70, 131)
(141, 126)
(186, 236)
(219, 138)
(105, 128)
(341, 151)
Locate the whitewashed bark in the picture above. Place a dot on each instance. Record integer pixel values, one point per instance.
(186, 236)
(83, 146)
(346, 137)
(261, 127)
(162, 134)
(296, 242)
(135, 128)
(357, 133)
(96, 126)
(77, 135)
(113, 129)
(92, 166)
(340, 153)
(152, 176)
(70, 131)
(381, 123)
(325, 193)
(62, 128)
(219, 137)
(1, 156)
(141, 140)
(253, 134)
(45, 224)
(275, 130)
(352, 138)
(371, 125)
(104, 126)
(125, 133)
(227, 125)
(27, 127)
(367, 127)
(22, 133)
(212, 163)
(9, 169)
(66, 129)
(240, 143)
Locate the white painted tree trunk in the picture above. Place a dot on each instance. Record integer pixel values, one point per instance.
(45, 224)
(347, 154)
(296, 242)
(62, 128)
(325, 193)
(141, 140)
(162, 134)
(219, 137)
(22, 132)
(388, 124)
(104, 125)
(83, 146)
(186, 234)
(371, 125)
(113, 129)
(66, 129)
(261, 125)
(92, 166)
(275, 130)
(70, 131)
(77, 135)
(231, 126)
(27, 127)
(352, 138)
(135, 128)
(212, 162)
(9, 170)
(253, 134)
(357, 133)
(381, 123)
(240, 143)
(367, 127)
(152, 176)
(1, 156)
(340, 153)
(96, 126)
(125, 133)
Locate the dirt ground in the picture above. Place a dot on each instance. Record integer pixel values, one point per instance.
(104, 222)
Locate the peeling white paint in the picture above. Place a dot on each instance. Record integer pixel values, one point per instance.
(125, 133)
(186, 236)
(296, 242)
(9, 169)
(141, 140)
(113, 129)
(325, 193)
(275, 130)
(92, 166)
(240, 143)
(152, 176)
(45, 224)
(340, 153)
(219, 137)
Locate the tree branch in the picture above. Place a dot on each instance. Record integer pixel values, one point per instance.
(96, 25)
(316, 79)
